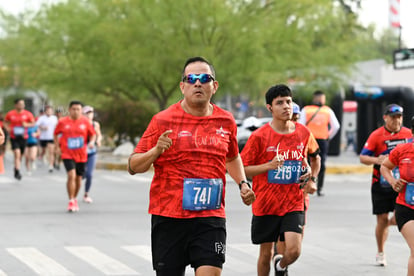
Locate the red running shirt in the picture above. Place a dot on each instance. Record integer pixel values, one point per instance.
(261, 147)
(200, 146)
(73, 138)
(403, 157)
(381, 141)
(16, 120)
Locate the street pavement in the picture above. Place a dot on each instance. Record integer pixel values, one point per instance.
(112, 235)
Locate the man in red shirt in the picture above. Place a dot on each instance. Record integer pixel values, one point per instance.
(403, 184)
(379, 144)
(190, 145)
(17, 121)
(275, 158)
(71, 135)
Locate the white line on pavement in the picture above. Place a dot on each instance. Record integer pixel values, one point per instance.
(40, 263)
(101, 261)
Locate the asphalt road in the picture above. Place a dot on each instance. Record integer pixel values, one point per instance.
(112, 235)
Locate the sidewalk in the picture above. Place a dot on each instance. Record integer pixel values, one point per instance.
(345, 163)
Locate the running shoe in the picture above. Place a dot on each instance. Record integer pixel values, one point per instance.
(71, 206)
(276, 260)
(17, 175)
(76, 205)
(87, 199)
(380, 259)
(50, 168)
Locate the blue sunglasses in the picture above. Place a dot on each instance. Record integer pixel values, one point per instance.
(203, 78)
(394, 109)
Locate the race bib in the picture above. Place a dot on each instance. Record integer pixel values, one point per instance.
(409, 193)
(384, 183)
(18, 131)
(75, 143)
(202, 194)
(288, 173)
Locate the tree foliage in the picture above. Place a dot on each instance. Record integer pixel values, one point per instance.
(100, 51)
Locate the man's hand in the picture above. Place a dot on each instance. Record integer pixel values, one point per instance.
(310, 186)
(276, 163)
(247, 194)
(164, 142)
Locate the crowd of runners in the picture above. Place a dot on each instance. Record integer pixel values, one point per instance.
(46, 141)
(192, 145)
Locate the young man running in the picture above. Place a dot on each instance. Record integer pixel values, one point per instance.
(71, 135)
(275, 158)
(17, 121)
(47, 123)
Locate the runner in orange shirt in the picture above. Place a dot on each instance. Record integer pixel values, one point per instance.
(71, 135)
(17, 121)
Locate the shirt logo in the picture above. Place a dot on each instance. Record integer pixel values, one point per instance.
(185, 133)
(220, 247)
(222, 132)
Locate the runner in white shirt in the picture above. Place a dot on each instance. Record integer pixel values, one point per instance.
(47, 124)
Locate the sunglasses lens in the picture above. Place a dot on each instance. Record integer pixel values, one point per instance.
(396, 109)
(192, 78)
(204, 78)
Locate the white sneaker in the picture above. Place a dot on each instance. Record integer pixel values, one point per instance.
(380, 259)
(87, 199)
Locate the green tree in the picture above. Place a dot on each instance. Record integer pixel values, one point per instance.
(105, 49)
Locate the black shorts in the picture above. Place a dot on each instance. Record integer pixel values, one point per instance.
(178, 242)
(383, 199)
(31, 145)
(403, 214)
(269, 228)
(43, 143)
(71, 164)
(18, 143)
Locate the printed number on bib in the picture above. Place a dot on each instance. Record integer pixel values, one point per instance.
(409, 193)
(289, 173)
(75, 143)
(384, 183)
(202, 194)
(18, 131)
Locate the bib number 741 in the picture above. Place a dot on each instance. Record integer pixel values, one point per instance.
(202, 194)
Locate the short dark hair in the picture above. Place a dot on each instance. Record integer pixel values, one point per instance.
(18, 100)
(276, 91)
(318, 93)
(75, 103)
(199, 59)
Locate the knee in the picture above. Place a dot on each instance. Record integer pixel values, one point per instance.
(293, 253)
(265, 257)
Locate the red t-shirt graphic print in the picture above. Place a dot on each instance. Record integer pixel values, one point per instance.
(200, 146)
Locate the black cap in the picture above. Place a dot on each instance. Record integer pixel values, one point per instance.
(393, 109)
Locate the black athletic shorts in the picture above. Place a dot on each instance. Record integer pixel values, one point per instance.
(178, 242)
(43, 143)
(71, 164)
(18, 143)
(269, 228)
(383, 199)
(403, 214)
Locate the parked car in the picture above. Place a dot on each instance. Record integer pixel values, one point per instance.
(247, 126)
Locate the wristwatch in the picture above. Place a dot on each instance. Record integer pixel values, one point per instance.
(314, 179)
(244, 181)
